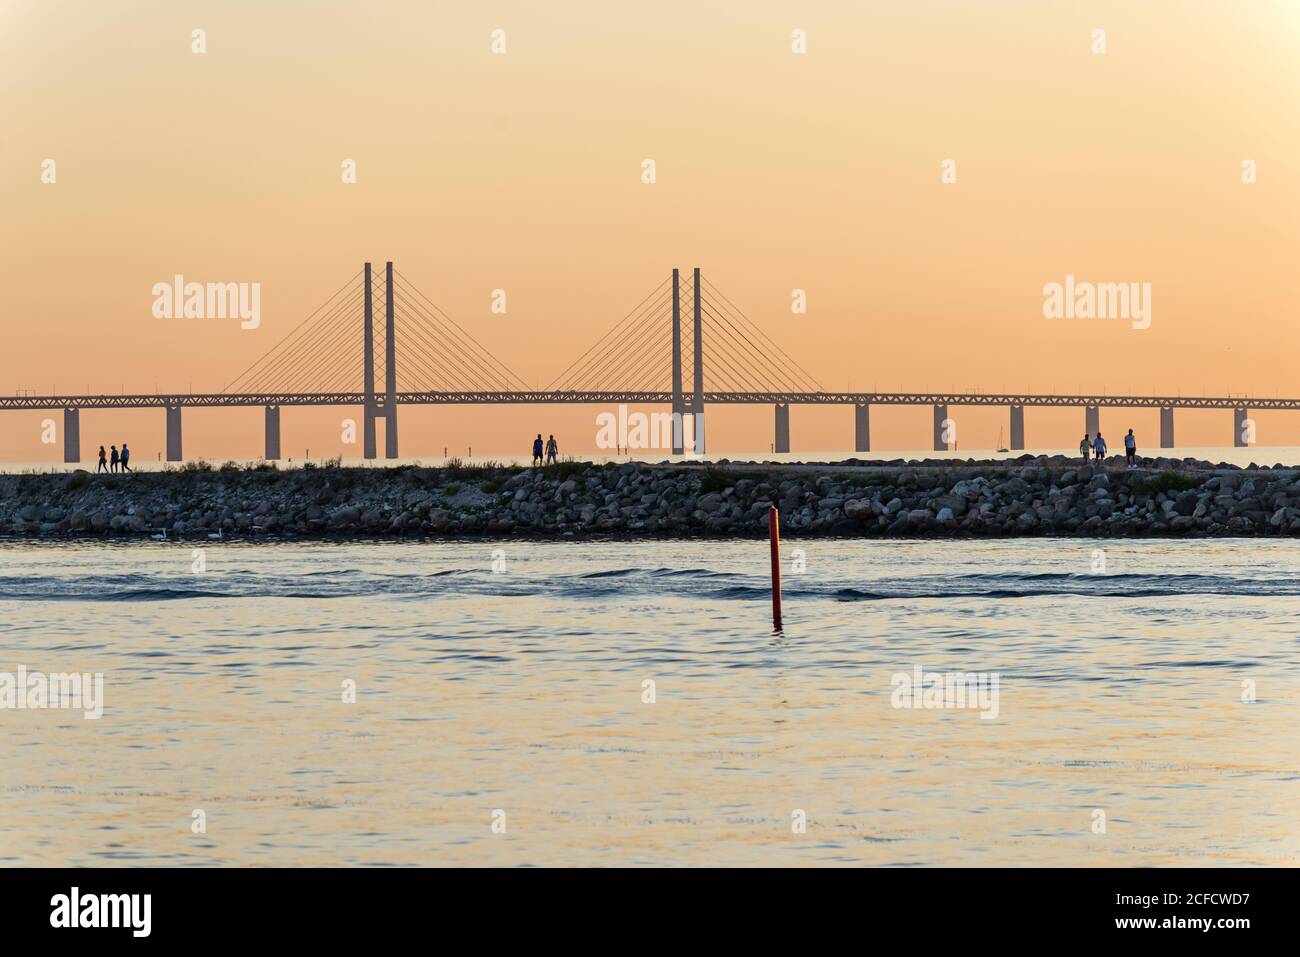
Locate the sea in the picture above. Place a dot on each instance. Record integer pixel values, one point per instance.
(568, 703)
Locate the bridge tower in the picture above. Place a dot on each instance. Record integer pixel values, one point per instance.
(368, 374)
(679, 402)
(390, 371)
(681, 407)
(697, 406)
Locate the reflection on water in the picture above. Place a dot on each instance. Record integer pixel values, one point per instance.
(522, 691)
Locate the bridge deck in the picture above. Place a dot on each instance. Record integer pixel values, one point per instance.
(223, 399)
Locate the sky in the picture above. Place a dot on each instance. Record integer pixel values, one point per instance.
(775, 170)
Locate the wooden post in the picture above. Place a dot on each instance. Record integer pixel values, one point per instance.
(774, 535)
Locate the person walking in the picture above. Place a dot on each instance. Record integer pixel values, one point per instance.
(126, 457)
(537, 449)
(1084, 448)
(103, 460)
(1099, 445)
(552, 451)
(113, 460)
(1130, 449)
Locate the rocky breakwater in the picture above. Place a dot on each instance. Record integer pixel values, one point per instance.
(932, 498)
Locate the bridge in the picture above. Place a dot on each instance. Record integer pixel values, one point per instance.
(338, 353)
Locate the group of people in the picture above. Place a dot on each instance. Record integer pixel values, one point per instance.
(110, 464)
(552, 450)
(1097, 447)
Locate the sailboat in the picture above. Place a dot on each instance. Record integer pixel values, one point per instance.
(1001, 446)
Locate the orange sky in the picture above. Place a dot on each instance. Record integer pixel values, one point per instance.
(775, 171)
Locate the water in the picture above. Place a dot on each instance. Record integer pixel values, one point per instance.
(521, 691)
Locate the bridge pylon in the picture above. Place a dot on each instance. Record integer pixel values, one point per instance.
(682, 406)
(368, 370)
(679, 400)
(697, 406)
(390, 368)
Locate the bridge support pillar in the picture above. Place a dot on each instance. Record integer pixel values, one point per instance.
(1017, 428)
(272, 447)
(72, 435)
(782, 428)
(1166, 426)
(940, 433)
(1240, 418)
(861, 428)
(1091, 420)
(173, 433)
(697, 420)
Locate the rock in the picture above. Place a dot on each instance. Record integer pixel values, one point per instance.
(1033, 496)
(345, 516)
(859, 508)
(970, 487)
(953, 503)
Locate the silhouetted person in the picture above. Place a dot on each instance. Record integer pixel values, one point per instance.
(126, 457)
(537, 449)
(1099, 445)
(552, 451)
(1084, 447)
(103, 460)
(113, 460)
(1130, 449)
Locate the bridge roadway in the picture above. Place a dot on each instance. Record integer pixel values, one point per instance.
(861, 401)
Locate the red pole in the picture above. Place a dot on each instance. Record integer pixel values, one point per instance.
(774, 535)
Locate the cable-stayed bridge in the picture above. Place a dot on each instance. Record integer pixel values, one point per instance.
(413, 353)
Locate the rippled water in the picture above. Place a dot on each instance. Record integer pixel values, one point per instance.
(521, 691)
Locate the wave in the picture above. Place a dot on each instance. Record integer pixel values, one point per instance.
(696, 583)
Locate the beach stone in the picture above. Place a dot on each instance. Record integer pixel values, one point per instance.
(858, 508)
